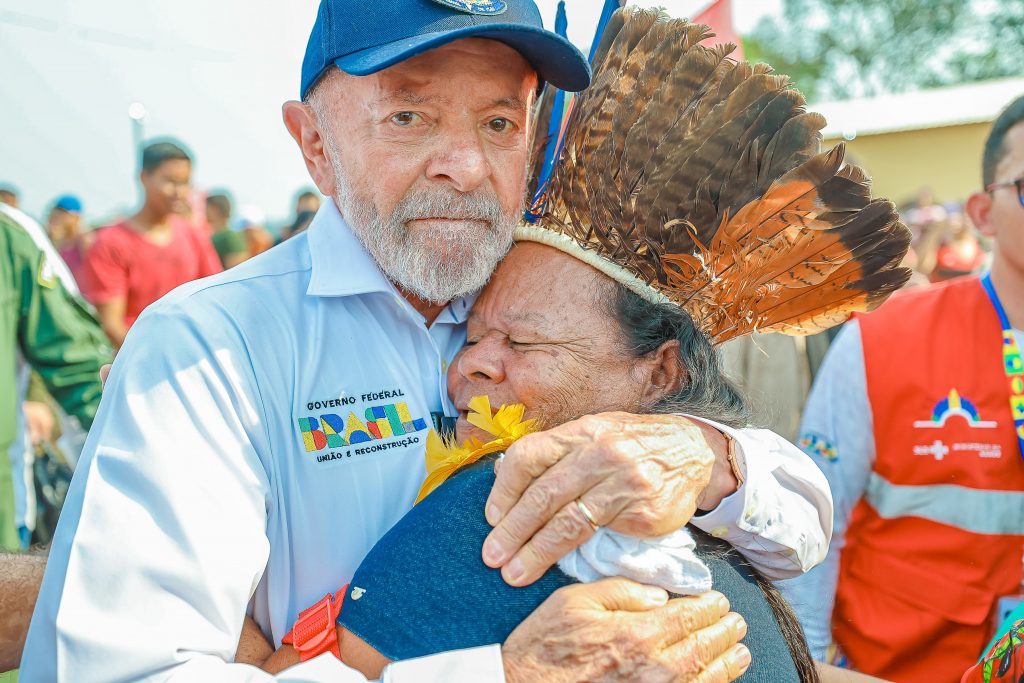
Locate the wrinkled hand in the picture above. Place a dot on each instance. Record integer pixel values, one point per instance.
(616, 630)
(640, 475)
(39, 421)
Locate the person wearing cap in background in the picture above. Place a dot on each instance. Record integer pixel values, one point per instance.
(263, 428)
(64, 227)
(134, 262)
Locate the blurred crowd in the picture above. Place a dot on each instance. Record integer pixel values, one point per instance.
(836, 394)
(179, 233)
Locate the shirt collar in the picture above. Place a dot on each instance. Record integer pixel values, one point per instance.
(456, 312)
(341, 266)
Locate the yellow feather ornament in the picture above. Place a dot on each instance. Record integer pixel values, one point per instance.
(444, 458)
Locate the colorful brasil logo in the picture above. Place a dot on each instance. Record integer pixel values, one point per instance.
(381, 422)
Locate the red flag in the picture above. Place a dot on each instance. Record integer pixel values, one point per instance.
(718, 15)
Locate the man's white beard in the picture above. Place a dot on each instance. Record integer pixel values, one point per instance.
(439, 265)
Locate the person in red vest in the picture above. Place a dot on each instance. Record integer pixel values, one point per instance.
(917, 419)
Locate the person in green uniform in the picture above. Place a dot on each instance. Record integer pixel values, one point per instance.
(230, 245)
(54, 332)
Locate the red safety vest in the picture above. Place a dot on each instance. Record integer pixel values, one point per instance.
(939, 533)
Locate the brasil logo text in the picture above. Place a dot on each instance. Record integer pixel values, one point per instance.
(379, 422)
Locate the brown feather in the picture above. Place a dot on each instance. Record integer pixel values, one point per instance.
(703, 178)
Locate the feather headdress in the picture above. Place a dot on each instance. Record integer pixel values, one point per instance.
(697, 180)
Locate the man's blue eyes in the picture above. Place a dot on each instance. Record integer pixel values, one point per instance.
(408, 118)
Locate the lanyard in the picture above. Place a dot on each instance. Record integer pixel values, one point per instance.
(1013, 366)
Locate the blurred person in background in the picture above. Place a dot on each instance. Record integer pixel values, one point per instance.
(251, 224)
(916, 418)
(135, 262)
(298, 226)
(307, 203)
(924, 209)
(307, 200)
(775, 372)
(9, 195)
(45, 327)
(64, 228)
(960, 252)
(230, 245)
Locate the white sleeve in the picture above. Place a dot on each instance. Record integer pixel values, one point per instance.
(162, 537)
(780, 518)
(837, 433)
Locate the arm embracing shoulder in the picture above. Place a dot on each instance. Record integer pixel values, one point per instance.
(780, 518)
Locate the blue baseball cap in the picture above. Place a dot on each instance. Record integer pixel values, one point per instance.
(362, 37)
(69, 203)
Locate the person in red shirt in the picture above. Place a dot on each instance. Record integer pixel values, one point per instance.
(135, 262)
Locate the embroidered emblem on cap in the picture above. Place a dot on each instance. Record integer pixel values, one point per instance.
(485, 7)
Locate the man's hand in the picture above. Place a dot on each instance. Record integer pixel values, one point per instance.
(39, 421)
(640, 475)
(617, 630)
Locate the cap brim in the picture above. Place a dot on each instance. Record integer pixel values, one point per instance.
(556, 60)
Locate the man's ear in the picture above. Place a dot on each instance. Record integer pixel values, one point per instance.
(978, 207)
(305, 130)
(665, 373)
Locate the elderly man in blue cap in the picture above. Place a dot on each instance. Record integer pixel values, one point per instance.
(262, 428)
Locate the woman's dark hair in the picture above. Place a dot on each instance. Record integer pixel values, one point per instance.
(707, 393)
(789, 625)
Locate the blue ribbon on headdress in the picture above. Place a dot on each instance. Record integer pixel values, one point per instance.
(560, 111)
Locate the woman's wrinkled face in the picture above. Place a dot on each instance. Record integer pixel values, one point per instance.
(542, 334)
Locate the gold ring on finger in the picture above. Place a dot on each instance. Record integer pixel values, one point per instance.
(585, 511)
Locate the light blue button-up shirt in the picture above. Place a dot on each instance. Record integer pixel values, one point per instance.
(260, 431)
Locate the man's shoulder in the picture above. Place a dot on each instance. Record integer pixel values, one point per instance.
(275, 279)
(13, 232)
(908, 307)
(112, 237)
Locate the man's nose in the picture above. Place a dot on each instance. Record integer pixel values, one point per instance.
(460, 160)
(481, 362)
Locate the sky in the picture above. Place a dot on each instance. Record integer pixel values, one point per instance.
(212, 73)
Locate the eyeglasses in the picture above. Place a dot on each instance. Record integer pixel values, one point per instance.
(1018, 183)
